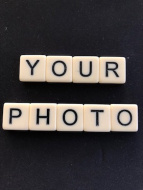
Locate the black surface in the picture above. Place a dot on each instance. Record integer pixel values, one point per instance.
(71, 161)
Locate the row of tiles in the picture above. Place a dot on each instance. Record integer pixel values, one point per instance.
(70, 117)
(78, 69)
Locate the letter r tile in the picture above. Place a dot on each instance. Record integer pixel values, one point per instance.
(32, 68)
(112, 70)
(16, 116)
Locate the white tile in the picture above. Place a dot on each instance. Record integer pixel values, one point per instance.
(70, 117)
(42, 117)
(97, 118)
(112, 70)
(16, 116)
(59, 69)
(32, 68)
(85, 69)
(124, 117)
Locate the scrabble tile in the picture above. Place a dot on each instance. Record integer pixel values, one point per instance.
(70, 117)
(112, 70)
(32, 68)
(42, 117)
(59, 69)
(124, 117)
(16, 116)
(97, 118)
(85, 69)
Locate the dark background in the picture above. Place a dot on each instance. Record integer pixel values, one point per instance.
(71, 161)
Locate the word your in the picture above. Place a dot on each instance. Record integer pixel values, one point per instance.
(78, 69)
(70, 117)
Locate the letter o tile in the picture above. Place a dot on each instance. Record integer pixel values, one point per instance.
(124, 117)
(59, 69)
(70, 117)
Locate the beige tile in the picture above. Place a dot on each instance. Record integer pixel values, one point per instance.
(85, 69)
(70, 117)
(16, 116)
(112, 70)
(59, 69)
(124, 117)
(97, 118)
(32, 68)
(42, 117)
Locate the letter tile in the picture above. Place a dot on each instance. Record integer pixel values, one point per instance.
(32, 68)
(16, 116)
(85, 69)
(70, 117)
(42, 117)
(112, 70)
(59, 69)
(124, 117)
(97, 118)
